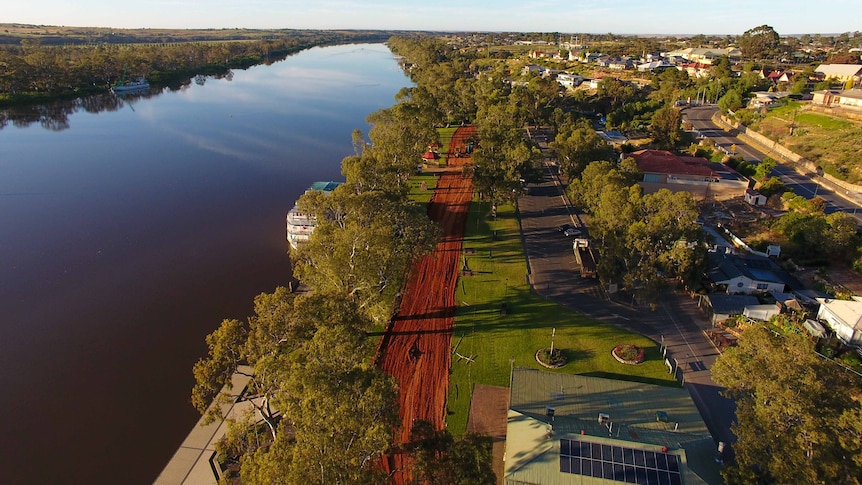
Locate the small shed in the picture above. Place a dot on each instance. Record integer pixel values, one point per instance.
(754, 197)
(814, 328)
(430, 156)
(761, 312)
(724, 306)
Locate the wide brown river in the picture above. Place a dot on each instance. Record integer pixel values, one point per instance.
(129, 228)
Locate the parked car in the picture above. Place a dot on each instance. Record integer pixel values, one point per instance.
(569, 230)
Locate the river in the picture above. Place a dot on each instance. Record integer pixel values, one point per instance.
(129, 228)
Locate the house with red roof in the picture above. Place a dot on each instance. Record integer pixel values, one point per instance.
(702, 178)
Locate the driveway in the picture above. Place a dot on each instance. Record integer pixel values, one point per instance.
(677, 322)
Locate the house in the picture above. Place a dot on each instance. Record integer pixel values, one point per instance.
(532, 69)
(747, 274)
(776, 77)
(844, 317)
(569, 80)
(849, 99)
(574, 429)
(614, 138)
(695, 69)
(754, 197)
(620, 64)
(654, 66)
(663, 170)
(766, 98)
(704, 55)
(842, 72)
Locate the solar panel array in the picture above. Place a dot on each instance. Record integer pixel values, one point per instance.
(619, 463)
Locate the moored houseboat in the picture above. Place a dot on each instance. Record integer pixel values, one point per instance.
(300, 225)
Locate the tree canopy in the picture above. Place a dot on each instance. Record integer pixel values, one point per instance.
(329, 413)
(798, 416)
(759, 43)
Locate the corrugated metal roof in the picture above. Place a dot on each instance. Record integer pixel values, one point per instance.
(533, 438)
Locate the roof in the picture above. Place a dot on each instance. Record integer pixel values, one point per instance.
(730, 304)
(852, 93)
(324, 186)
(839, 69)
(430, 155)
(849, 311)
(665, 162)
(640, 417)
(725, 267)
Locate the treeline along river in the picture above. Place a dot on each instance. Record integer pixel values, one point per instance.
(129, 228)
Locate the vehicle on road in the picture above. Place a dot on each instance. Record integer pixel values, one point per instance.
(569, 230)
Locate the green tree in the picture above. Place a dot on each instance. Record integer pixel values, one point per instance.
(443, 460)
(798, 420)
(764, 168)
(730, 101)
(759, 43)
(320, 411)
(362, 246)
(665, 127)
(576, 145)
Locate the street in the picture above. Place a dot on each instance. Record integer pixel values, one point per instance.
(676, 322)
(808, 185)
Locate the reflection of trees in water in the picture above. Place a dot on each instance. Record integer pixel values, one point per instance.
(55, 115)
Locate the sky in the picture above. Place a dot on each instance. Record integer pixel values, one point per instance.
(572, 16)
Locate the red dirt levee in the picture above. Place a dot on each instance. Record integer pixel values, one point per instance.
(416, 348)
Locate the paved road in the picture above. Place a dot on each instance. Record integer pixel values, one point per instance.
(677, 321)
(806, 185)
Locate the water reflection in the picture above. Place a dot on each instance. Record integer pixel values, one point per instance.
(55, 115)
(130, 227)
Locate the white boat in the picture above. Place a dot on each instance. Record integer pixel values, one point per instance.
(131, 86)
(301, 225)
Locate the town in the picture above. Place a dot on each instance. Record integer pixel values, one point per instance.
(557, 258)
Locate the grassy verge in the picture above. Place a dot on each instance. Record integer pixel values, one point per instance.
(446, 135)
(496, 342)
(416, 193)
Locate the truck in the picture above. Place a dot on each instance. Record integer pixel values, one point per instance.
(584, 256)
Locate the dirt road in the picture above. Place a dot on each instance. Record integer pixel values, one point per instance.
(416, 348)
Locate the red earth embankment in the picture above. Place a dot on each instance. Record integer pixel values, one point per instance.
(416, 348)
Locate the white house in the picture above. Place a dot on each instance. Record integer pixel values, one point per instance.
(849, 98)
(569, 80)
(844, 317)
(745, 275)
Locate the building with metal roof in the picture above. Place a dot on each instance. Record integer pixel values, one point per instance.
(579, 430)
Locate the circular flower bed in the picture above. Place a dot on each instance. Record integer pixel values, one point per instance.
(551, 360)
(628, 354)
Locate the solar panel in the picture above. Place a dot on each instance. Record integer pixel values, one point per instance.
(629, 465)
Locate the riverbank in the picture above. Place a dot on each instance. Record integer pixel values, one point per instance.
(30, 85)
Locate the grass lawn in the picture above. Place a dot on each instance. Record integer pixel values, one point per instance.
(446, 135)
(496, 342)
(416, 193)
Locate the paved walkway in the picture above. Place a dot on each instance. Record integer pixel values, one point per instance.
(677, 322)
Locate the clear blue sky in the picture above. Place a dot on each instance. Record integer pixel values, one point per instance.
(592, 16)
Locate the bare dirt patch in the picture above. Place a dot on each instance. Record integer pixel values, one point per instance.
(416, 348)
